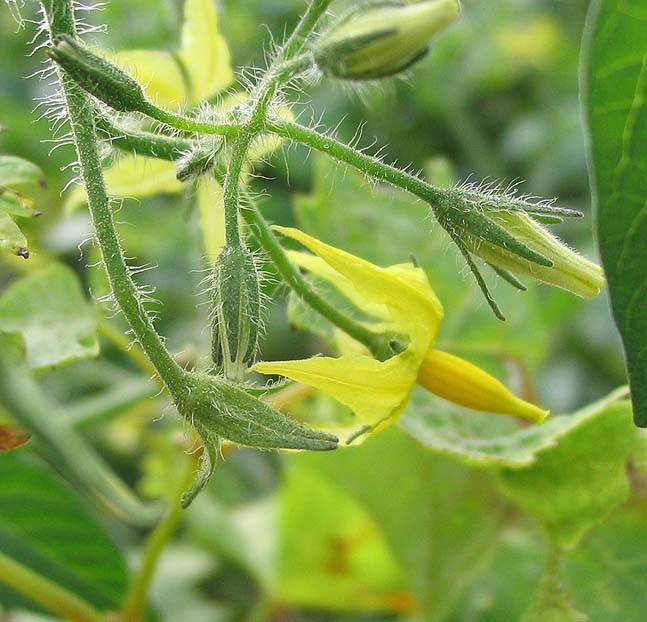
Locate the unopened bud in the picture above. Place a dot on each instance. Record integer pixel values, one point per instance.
(97, 75)
(382, 38)
(236, 311)
(569, 270)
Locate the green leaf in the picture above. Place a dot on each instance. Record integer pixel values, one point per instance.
(56, 321)
(44, 526)
(485, 440)
(573, 485)
(605, 575)
(332, 553)
(614, 91)
(439, 519)
(18, 172)
(12, 238)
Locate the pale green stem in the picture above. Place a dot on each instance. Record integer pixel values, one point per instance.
(136, 599)
(64, 448)
(41, 590)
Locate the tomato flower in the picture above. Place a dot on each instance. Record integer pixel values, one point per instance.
(401, 298)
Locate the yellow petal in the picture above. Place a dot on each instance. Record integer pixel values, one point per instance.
(319, 268)
(212, 217)
(376, 391)
(411, 302)
(158, 72)
(204, 51)
(132, 177)
(464, 383)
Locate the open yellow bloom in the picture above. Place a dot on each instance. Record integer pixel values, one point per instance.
(402, 300)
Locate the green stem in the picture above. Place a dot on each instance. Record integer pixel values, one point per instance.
(45, 592)
(377, 343)
(64, 448)
(189, 124)
(305, 26)
(135, 601)
(60, 17)
(368, 164)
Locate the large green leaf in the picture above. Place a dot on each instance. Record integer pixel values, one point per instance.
(605, 575)
(44, 526)
(486, 440)
(53, 316)
(439, 518)
(332, 554)
(574, 485)
(615, 95)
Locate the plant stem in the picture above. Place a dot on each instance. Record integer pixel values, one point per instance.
(306, 24)
(369, 165)
(189, 124)
(135, 601)
(377, 343)
(45, 592)
(64, 448)
(60, 18)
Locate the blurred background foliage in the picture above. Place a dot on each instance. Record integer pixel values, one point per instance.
(391, 530)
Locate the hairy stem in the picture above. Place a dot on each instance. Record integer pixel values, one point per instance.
(45, 592)
(60, 18)
(368, 164)
(135, 601)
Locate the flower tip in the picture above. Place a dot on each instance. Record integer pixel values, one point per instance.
(529, 411)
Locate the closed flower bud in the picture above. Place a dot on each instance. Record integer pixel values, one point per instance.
(569, 270)
(382, 39)
(236, 312)
(98, 76)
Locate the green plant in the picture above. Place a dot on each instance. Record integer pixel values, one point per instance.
(383, 323)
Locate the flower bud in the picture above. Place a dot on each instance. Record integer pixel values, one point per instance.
(98, 76)
(236, 312)
(569, 270)
(382, 39)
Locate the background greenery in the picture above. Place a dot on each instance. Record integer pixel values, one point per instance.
(449, 526)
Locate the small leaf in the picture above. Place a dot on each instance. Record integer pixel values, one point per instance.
(573, 485)
(18, 172)
(615, 97)
(12, 238)
(56, 321)
(16, 204)
(44, 526)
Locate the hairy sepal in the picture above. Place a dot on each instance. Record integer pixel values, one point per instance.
(224, 410)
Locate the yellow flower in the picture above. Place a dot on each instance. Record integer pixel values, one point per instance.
(403, 301)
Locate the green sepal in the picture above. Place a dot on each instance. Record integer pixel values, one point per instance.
(487, 230)
(208, 459)
(227, 411)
